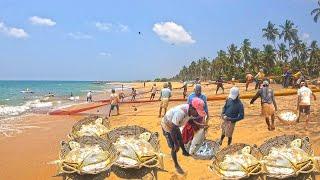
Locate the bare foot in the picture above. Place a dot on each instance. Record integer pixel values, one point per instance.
(179, 170)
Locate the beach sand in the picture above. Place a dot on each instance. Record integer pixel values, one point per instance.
(26, 154)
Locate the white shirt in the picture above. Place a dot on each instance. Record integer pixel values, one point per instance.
(305, 95)
(89, 94)
(154, 89)
(114, 98)
(165, 93)
(177, 116)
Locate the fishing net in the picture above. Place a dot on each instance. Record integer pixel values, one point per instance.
(90, 126)
(237, 161)
(283, 158)
(206, 150)
(288, 116)
(140, 151)
(86, 156)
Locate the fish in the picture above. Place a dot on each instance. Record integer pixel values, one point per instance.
(93, 129)
(288, 116)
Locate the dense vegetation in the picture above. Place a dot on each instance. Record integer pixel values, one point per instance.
(284, 50)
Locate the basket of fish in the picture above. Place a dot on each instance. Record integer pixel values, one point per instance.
(86, 156)
(288, 156)
(139, 151)
(288, 116)
(90, 126)
(206, 150)
(237, 161)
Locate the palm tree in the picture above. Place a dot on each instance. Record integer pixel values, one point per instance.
(271, 33)
(316, 12)
(289, 32)
(246, 53)
(283, 52)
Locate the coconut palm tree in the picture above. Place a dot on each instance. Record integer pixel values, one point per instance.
(283, 52)
(289, 32)
(316, 12)
(271, 33)
(246, 53)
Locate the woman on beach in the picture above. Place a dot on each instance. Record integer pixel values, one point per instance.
(268, 104)
(174, 119)
(232, 112)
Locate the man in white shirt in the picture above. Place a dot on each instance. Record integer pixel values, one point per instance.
(174, 119)
(304, 100)
(165, 95)
(89, 96)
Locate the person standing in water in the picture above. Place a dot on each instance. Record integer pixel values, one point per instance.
(89, 96)
(174, 119)
(114, 101)
(268, 104)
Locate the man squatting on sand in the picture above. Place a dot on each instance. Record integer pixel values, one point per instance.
(175, 118)
(268, 104)
(232, 112)
(165, 95)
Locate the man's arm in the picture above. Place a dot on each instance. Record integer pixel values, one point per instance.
(314, 96)
(255, 97)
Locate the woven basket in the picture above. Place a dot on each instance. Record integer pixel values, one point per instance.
(87, 120)
(215, 146)
(285, 140)
(234, 148)
(136, 172)
(68, 173)
(283, 120)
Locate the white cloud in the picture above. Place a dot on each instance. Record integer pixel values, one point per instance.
(105, 54)
(103, 26)
(12, 31)
(123, 28)
(35, 20)
(80, 35)
(172, 33)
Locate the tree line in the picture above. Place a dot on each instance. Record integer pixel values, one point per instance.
(284, 50)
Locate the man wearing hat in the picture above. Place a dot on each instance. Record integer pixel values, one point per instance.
(174, 119)
(232, 112)
(268, 104)
(304, 100)
(165, 95)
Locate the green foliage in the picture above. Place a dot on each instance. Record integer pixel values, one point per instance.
(237, 61)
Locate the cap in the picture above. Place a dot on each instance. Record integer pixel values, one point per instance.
(265, 83)
(234, 93)
(198, 104)
(197, 87)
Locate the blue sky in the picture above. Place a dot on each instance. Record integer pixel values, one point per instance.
(99, 40)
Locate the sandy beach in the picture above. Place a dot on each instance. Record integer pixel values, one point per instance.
(25, 155)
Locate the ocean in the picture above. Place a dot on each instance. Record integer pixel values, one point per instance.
(18, 97)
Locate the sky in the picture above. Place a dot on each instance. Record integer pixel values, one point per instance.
(100, 39)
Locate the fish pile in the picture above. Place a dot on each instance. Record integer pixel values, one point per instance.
(239, 165)
(95, 128)
(205, 149)
(135, 151)
(288, 116)
(85, 160)
(288, 161)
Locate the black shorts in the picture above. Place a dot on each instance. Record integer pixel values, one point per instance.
(113, 106)
(169, 138)
(153, 94)
(304, 109)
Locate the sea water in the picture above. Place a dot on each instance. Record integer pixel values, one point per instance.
(14, 101)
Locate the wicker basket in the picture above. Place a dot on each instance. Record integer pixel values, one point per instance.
(136, 172)
(229, 150)
(87, 120)
(285, 140)
(283, 120)
(68, 173)
(215, 146)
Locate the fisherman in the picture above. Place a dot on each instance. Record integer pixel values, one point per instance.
(134, 94)
(89, 96)
(165, 95)
(287, 75)
(198, 93)
(219, 83)
(304, 101)
(114, 101)
(259, 78)
(297, 78)
(268, 104)
(121, 96)
(249, 79)
(232, 112)
(185, 89)
(153, 91)
(174, 119)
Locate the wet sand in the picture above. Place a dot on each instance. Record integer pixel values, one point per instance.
(25, 155)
